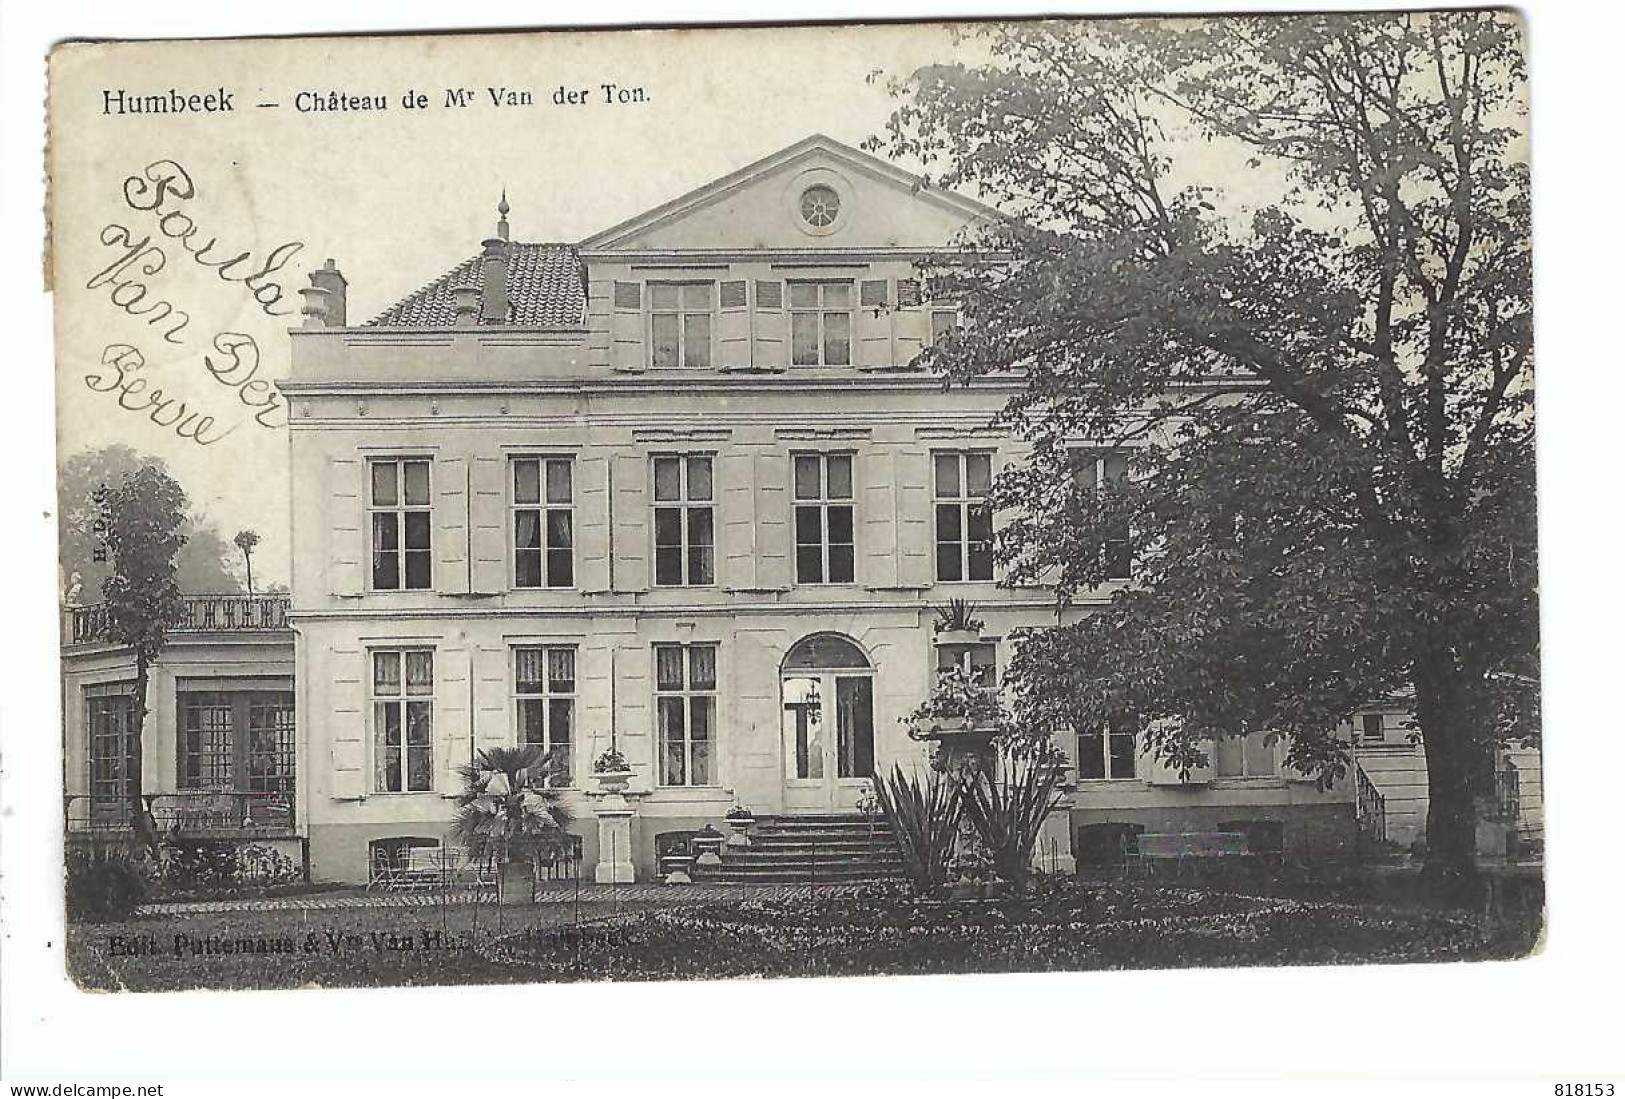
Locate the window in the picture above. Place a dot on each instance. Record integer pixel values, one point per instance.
(399, 504)
(979, 659)
(544, 685)
(680, 323)
(236, 740)
(820, 206)
(271, 750)
(821, 324)
(403, 720)
(823, 491)
(1094, 471)
(206, 741)
(1249, 756)
(686, 710)
(961, 482)
(685, 532)
(112, 748)
(1108, 752)
(543, 523)
(1371, 731)
(943, 321)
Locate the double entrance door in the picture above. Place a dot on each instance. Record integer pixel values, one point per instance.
(829, 739)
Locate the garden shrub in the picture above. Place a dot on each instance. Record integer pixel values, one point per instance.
(104, 885)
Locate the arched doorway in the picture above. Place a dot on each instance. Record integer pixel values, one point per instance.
(827, 692)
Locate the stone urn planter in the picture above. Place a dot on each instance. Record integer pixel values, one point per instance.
(708, 843)
(958, 637)
(613, 782)
(739, 830)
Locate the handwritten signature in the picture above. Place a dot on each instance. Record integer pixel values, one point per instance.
(162, 189)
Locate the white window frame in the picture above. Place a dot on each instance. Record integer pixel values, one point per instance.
(682, 313)
(820, 312)
(1106, 734)
(546, 696)
(400, 509)
(688, 693)
(965, 503)
(684, 504)
(401, 699)
(1273, 773)
(1366, 739)
(824, 502)
(542, 507)
(1098, 457)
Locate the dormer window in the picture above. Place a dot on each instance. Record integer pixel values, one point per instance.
(680, 324)
(820, 206)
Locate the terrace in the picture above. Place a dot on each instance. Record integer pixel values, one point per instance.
(201, 614)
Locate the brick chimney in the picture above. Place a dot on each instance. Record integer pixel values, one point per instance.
(494, 270)
(329, 278)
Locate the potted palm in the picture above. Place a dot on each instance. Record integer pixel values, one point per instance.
(611, 771)
(509, 815)
(957, 623)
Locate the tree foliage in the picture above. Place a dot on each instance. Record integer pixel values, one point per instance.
(1284, 264)
(141, 521)
(205, 564)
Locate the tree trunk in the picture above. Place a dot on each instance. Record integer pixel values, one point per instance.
(1455, 742)
(146, 833)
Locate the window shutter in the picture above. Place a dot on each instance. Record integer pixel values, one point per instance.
(345, 724)
(733, 329)
(452, 712)
(1157, 773)
(912, 473)
(488, 526)
(874, 325)
(592, 523)
(493, 725)
(878, 510)
(770, 327)
(913, 322)
(450, 477)
(346, 521)
(626, 328)
(630, 514)
(737, 503)
(772, 520)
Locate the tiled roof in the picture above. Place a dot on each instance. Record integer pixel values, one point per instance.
(545, 289)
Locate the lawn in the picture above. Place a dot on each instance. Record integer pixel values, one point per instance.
(1078, 926)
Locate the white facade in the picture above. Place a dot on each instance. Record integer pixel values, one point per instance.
(673, 453)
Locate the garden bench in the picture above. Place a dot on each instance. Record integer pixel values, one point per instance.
(1185, 848)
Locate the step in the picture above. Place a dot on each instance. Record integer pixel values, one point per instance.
(771, 859)
(793, 878)
(833, 850)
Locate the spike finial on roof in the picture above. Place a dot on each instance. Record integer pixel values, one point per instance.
(502, 215)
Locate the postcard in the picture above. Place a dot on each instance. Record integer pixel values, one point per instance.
(796, 501)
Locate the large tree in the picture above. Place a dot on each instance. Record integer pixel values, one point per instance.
(205, 564)
(141, 520)
(1282, 264)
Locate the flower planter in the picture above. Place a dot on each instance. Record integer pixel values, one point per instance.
(613, 782)
(740, 828)
(958, 637)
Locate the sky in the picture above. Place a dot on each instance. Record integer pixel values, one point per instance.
(395, 197)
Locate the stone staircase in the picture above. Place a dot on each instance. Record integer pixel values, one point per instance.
(826, 848)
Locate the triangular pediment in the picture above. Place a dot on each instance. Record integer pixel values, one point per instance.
(817, 194)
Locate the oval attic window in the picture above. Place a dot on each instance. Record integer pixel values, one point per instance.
(820, 205)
